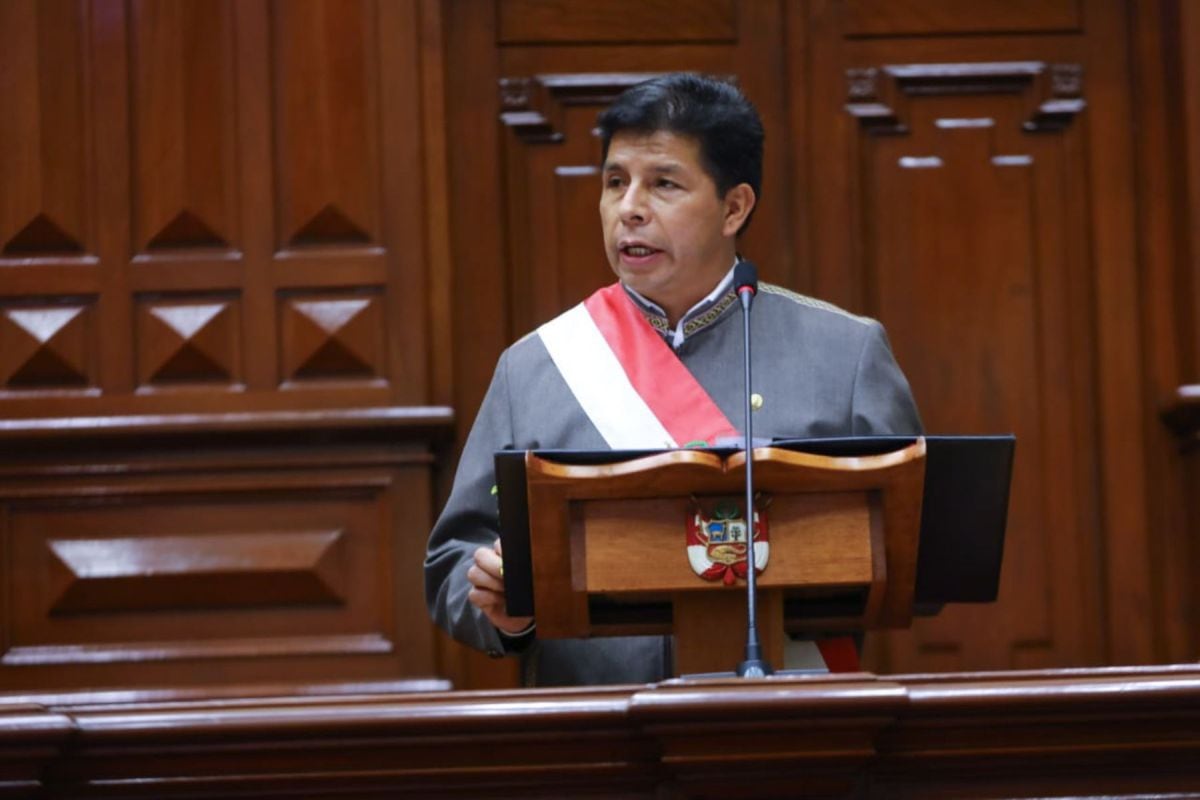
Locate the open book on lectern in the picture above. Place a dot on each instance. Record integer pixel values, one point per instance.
(964, 510)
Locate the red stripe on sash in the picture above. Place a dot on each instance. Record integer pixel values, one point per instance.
(656, 373)
(840, 654)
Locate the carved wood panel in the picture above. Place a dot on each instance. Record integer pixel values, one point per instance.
(43, 136)
(201, 564)
(238, 163)
(215, 210)
(971, 265)
(959, 203)
(183, 97)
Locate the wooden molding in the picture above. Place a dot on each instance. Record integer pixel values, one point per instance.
(878, 96)
(1117, 732)
(532, 107)
(382, 424)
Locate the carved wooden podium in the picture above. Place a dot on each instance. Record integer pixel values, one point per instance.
(609, 555)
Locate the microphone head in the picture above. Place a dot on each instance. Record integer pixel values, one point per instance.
(745, 278)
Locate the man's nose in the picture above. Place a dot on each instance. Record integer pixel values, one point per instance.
(633, 207)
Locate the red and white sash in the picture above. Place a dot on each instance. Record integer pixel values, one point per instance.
(635, 391)
(639, 395)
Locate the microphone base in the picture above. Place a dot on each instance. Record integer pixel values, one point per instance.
(783, 673)
(754, 668)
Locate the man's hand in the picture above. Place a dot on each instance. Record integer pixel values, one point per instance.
(487, 589)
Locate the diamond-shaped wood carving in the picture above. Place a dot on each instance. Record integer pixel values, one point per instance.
(41, 235)
(332, 337)
(186, 230)
(330, 225)
(45, 347)
(181, 341)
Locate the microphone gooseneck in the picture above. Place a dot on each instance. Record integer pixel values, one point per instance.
(745, 281)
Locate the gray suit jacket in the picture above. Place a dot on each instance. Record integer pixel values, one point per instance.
(820, 371)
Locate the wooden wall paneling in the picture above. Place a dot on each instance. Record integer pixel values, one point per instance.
(256, 182)
(798, 50)
(1180, 24)
(183, 114)
(1162, 206)
(479, 283)
(241, 217)
(330, 260)
(435, 145)
(1123, 419)
(43, 141)
(831, 136)
(1188, 95)
(108, 78)
(556, 251)
(969, 221)
(241, 152)
(409, 172)
(49, 330)
(185, 257)
(772, 241)
(235, 562)
(1009, 346)
(326, 101)
(547, 21)
(947, 17)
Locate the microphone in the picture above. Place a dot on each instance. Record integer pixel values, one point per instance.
(745, 282)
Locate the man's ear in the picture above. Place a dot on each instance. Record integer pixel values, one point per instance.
(739, 202)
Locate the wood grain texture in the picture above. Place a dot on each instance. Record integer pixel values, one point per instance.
(617, 531)
(947, 17)
(1111, 733)
(43, 140)
(541, 21)
(183, 125)
(938, 182)
(222, 550)
(238, 160)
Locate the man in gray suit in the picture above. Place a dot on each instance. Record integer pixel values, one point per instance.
(682, 173)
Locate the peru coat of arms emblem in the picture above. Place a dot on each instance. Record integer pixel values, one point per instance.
(717, 545)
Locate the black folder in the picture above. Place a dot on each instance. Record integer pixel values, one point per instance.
(964, 511)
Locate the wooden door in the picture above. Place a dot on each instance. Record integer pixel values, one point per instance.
(970, 185)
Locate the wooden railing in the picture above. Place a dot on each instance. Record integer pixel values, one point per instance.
(1111, 732)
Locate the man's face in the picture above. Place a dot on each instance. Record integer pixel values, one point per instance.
(667, 233)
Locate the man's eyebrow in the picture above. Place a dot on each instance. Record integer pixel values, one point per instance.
(667, 167)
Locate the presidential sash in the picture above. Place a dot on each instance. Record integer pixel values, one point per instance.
(636, 392)
(639, 395)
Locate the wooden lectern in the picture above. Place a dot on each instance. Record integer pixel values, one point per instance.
(608, 548)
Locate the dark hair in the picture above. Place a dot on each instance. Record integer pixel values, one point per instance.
(714, 113)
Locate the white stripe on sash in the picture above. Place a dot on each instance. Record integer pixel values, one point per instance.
(600, 384)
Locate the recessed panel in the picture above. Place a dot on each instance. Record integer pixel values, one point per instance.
(194, 575)
(324, 64)
(567, 21)
(183, 117)
(328, 336)
(188, 339)
(969, 218)
(44, 133)
(47, 345)
(948, 17)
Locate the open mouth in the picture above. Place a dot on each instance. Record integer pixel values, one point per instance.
(638, 250)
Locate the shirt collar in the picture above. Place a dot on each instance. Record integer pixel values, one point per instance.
(697, 317)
